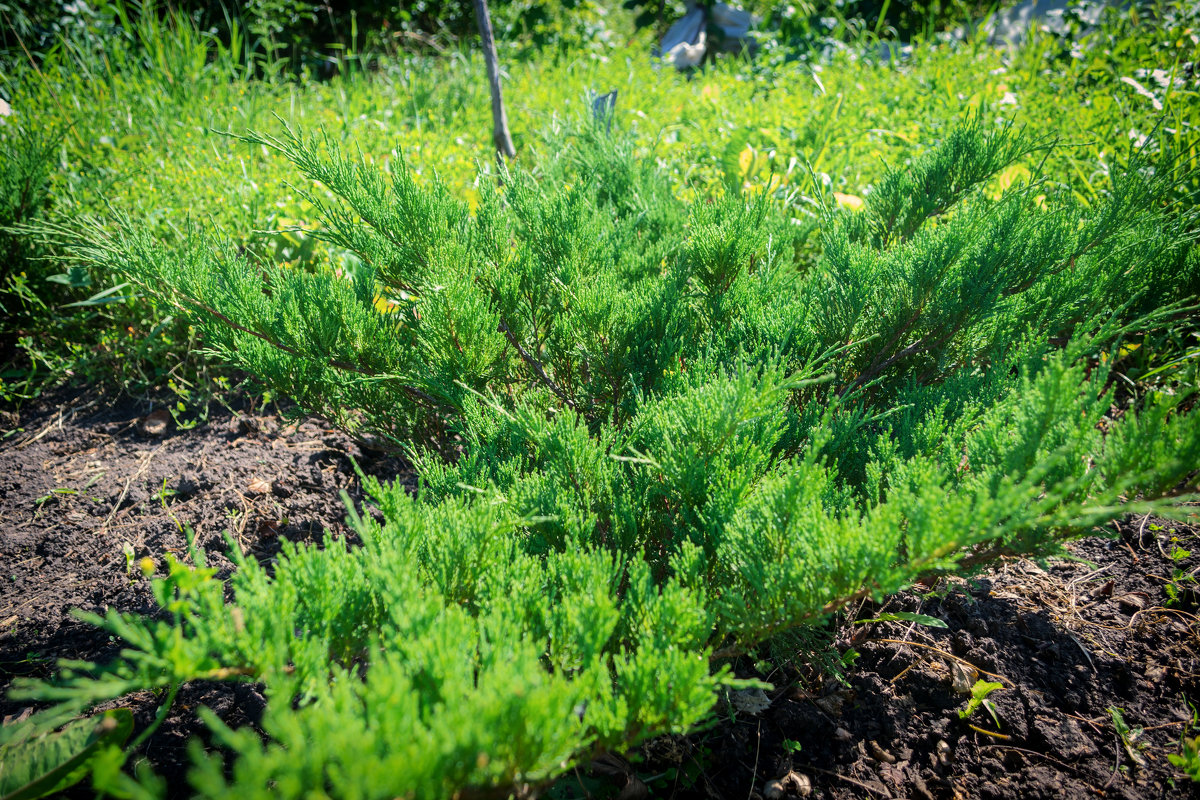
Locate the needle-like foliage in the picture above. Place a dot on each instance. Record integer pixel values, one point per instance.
(651, 434)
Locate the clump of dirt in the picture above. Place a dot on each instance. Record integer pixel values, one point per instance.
(87, 489)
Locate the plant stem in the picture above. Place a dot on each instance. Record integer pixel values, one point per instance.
(159, 717)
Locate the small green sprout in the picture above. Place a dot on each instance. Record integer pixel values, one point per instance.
(1129, 736)
(127, 549)
(979, 697)
(1188, 759)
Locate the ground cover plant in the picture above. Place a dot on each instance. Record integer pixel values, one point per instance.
(658, 420)
(650, 435)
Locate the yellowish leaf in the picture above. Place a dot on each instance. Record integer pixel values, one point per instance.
(851, 202)
(746, 161)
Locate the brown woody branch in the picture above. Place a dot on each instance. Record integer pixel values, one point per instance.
(535, 365)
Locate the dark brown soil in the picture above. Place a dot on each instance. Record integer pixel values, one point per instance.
(89, 487)
(1069, 640)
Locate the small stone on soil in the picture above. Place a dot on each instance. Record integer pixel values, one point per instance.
(793, 784)
(155, 423)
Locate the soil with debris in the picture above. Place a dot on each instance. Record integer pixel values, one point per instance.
(89, 487)
(1078, 646)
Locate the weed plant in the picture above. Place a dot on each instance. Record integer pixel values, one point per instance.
(24, 197)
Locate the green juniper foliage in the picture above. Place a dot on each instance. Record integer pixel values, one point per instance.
(651, 434)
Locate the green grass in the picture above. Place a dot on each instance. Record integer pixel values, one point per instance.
(141, 121)
(143, 117)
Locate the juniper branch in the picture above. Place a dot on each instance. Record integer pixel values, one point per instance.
(538, 369)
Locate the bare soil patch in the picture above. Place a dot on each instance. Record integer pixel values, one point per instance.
(89, 487)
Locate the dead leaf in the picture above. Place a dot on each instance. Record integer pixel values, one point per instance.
(259, 486)
(793, 784)
(928, 584)
(10, 719)
(879, 754)
(1134, 600)
(749, 701)
(772, 790)
(962, 677)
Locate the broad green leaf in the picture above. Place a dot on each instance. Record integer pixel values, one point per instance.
(50, 762)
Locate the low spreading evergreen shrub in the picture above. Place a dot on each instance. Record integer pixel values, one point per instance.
(651, 434)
